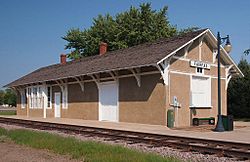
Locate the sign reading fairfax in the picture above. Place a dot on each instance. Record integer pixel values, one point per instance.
(199, 64)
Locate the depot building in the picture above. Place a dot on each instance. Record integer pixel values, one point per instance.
(140, 84)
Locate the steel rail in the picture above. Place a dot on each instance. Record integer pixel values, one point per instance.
(220, 148)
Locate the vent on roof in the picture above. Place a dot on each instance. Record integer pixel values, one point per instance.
(103, 48)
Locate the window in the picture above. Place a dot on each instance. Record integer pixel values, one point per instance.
(200, 92)
(36, 97)
(49, 94)
(23, 99)
(39, 98)
(199, 70)
(29, 95)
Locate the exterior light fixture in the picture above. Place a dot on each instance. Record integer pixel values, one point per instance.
(228, 46)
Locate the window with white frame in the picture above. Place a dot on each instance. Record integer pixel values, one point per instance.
(36, 98)
(49, 94)
(65, 97)
(23, 99)
(200, 92)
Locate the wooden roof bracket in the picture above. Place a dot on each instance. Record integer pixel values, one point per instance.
(80, 82)
(114, 75)
(136, 73)
(164, 69)
(16, 89)
(228, 74)
(19, 89)
(61, 84)
(96, 79)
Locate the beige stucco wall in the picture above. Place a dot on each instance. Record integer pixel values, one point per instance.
(82, 105)
(36, 112)
(145, 104)
(180, 79)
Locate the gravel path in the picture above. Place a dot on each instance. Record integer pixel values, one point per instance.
(10, 152)
(163, 151)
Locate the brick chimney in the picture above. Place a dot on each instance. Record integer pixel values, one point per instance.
(103, 48)
(63, 59)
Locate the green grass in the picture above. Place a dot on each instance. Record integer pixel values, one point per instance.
(84, 150)
(10, 112)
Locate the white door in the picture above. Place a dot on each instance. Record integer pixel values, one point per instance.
(108, 101)
(57, 105)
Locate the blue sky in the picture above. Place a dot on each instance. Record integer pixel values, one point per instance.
(31, 31)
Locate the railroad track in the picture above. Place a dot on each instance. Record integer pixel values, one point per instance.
(220, 148)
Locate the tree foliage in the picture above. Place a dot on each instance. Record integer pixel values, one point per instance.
(239, 93)
(8, 97)
(126, 29)
(247, 52)
(1, 97)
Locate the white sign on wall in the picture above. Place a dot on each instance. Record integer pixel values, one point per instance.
(199, 64)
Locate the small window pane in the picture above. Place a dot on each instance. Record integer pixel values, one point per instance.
(199, 70)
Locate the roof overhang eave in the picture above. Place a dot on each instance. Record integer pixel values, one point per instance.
(72, 76)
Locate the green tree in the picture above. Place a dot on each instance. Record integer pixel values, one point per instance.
(126, 29)
(10, 97)
(247, 52)
(1, 97)
(239, 93)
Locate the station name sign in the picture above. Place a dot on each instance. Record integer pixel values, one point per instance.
(199, 64)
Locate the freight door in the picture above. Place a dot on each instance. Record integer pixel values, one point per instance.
(108, 101)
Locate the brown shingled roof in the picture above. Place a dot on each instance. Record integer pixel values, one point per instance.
(136, 56)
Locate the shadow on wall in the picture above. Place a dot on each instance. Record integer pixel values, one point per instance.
(130, 91)
(90, 94)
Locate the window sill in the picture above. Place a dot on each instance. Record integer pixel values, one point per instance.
(200, 107)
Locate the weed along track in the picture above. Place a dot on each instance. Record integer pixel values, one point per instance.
(221, 148)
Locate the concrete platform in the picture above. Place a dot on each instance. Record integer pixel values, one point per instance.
(241, 132)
